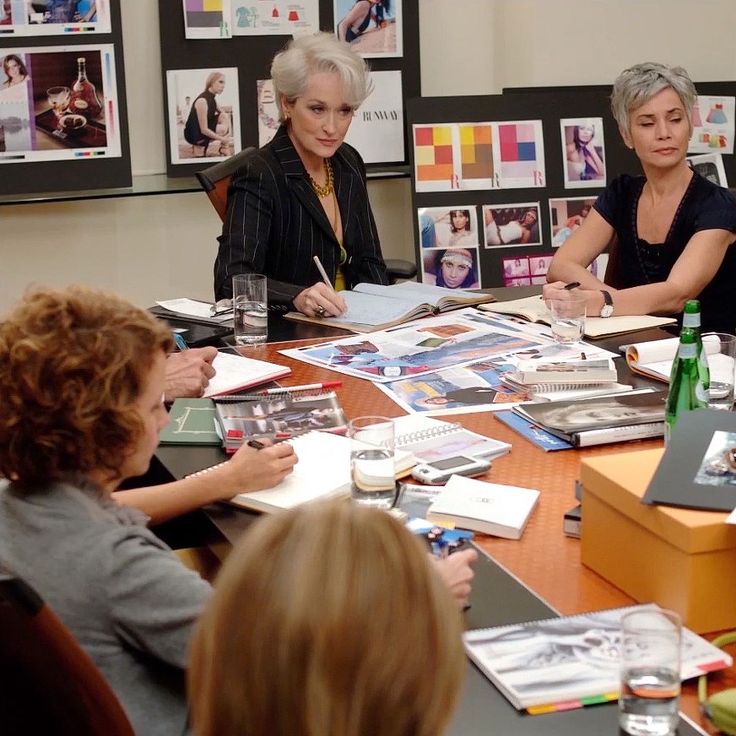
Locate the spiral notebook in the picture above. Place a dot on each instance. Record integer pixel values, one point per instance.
(433, 439)
(569, 662)
(323, 471)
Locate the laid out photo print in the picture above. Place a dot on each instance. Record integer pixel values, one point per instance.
(373, 28)
(452, 268)
(511, 224)
(54, 17)
(566, 215)
(204, 114)
(478, 156)
(441, 227)
(583, 152)
(526, 270)
(58, 102)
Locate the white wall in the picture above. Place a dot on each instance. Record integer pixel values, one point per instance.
(148, 248)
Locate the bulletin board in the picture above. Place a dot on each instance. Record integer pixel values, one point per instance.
(251, 57)
(40, 152)
(558, 204)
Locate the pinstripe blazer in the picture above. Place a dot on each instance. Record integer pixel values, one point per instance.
(275, 224)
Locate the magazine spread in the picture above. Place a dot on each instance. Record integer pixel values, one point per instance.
(571, 660)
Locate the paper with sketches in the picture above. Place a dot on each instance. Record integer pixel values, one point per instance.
(713, 124)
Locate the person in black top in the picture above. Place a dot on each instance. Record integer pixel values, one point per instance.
(206, 122)
(674, 228)
(304, 194)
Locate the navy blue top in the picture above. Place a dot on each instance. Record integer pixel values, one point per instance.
(704, 206)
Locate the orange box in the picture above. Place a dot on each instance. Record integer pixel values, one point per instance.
(678, 558)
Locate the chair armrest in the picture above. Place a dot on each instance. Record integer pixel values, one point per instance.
(398, 268)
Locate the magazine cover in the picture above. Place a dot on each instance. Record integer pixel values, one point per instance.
(278, 416)
(572, 659)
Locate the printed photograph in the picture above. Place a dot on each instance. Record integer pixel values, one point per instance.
(53, 17)
(476, 156)
(204, 114)
(440, 227)
(566, 215)
(207, 18)
(452, 268)
(718, 467)
(710, 167)
(274, 17)
(434, 158)
(516, 271)
(583, 152)
(518, 149)
(268, 112)
(516, 224)
(713, 124)
(540, 264)
(371, 27)
(58, 102)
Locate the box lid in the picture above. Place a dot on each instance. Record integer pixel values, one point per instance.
(621, 479)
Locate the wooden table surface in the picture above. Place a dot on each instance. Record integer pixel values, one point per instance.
(544, 559)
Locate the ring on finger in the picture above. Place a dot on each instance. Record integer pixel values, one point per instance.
(320, 311)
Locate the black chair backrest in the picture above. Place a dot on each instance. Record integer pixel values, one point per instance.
(49, 683)
(215, 179)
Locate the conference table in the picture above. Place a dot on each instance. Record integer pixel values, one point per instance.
(538, 576)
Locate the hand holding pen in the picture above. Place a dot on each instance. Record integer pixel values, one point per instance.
(321, 299)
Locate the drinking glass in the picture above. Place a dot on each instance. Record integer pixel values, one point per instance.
(372, 470)
(58, 99)
(720, 349)
(650, 672)
(250, 309)
(568, 319)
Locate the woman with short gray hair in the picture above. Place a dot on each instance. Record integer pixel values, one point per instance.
(304, 194)
(674, 229)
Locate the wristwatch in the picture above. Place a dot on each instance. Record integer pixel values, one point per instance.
(607, 308)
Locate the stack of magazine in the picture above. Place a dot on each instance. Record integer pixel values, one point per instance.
(600, 420)
(276, 416)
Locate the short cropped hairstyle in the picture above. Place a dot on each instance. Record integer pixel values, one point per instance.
(638, 84)
(72, 362)
(319, 52)
(326, 619)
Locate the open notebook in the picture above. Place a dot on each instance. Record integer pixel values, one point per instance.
(569, 662)
(534, 309)
(323, 471)
(373, 307)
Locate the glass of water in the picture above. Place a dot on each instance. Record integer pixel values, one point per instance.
(250, 309)
(372, 468)
(568, 319)
(720, 349)
(650, 672)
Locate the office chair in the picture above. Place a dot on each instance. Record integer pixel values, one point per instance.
(215, 180)
(49, 683)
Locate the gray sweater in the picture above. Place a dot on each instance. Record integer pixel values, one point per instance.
(121, 591)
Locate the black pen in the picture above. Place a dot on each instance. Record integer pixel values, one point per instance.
(255, 444)
(571, 285)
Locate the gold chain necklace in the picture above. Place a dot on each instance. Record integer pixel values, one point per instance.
(328, 188)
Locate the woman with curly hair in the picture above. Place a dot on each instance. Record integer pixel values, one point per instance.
(82, 381)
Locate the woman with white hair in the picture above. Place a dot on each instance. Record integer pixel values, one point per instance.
(674, 228)
(304, 194)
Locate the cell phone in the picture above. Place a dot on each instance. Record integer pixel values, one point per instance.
(439, 471)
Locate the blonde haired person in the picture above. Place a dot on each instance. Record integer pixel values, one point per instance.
(327, 619)
(82, 380)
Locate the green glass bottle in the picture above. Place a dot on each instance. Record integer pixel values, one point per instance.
(686, 386)
(691, 318)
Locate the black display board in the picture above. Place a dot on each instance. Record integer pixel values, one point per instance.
(252, 55)
(87, 172)
(549, 105)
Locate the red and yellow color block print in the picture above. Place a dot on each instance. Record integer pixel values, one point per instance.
(433, 156)
(476, 151)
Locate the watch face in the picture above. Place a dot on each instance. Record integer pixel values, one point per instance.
(606, 310)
